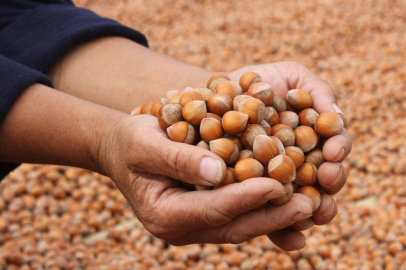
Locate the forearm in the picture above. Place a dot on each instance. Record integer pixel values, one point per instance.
(121, 74)
(50, 127)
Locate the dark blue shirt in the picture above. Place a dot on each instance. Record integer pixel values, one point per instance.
(34, 34)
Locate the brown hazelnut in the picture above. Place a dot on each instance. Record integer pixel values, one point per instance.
(215, 79)
(157, 104)
(234, 122)
(205, 92)
(262, 91)
(136, 111)
(315, 157)
(267, 127)
(220, 104)
(226, 149)
(308, 117)
(181, 132)
(284, 133)
(237, 101)
(169, 114)
(146, 109)
(229, 178)
(215, 116)
(289, 118)
(306, 175)
(255, 110)
(288, 188)
(249, 78)
(313, 194)
(246, 153)
(235, 139)
(173, 93)
(230, 88)
(203, 144)
(249, 134)
(306, 138)
(211, 129)
(296, 154)
(279, 104)
(299, 99)
(189, 94)
(328, 124)
(271, 116)
(248, 168)
(265, 149)
(282, 168)
(194, 112)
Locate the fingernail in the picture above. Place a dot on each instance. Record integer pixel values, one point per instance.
(340, 173)
(339, 111)
(274, 194)
(330, 209)
(210, 170)
(339, 155)
(300, 216)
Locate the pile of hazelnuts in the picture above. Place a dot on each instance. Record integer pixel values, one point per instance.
(256, 132)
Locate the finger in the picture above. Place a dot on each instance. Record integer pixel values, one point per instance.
(327, 210)
(288, 239)
(332, 177)
(204, 209)
(337, 148)
(159, 155)
(254, 223)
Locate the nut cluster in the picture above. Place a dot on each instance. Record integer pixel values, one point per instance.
(256, 132)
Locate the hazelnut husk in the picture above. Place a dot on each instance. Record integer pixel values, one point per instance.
(315, 157)
(246, 153)
(279, 104)
(284, 133)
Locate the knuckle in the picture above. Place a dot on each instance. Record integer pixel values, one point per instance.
(236, 236)
(214, 217)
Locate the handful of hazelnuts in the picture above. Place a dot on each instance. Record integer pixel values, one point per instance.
(256, 132)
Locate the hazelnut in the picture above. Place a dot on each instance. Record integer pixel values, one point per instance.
(220, 104)
(267, 127)
(255, 110)
(308, 117)
(248, 168)
(288, 188)
(206, 93)
(215, 116)
(188, 95)
(181, 132)
(284, 133)
(203, 144)
(289, 118)
(194, 112)
(303, 225)
(316, 157)
(262, 91)
(280, 145)
(306, 138)
(173, 93)
(235, 139)
(215, 79)
(313, 194)
(169, 114)
(282, 168)
(246, 153)
(299, 99)
(279, 104)
(328, 124)
(146, 109)
(228, 179)
(296, 154)
(237, 101)
(306, 175)
(226, 149)
(271, 116)
(247, 79)
(230, 88)
(211, 129)
(157, 104)
(265, 149)
(235, 122)
(249, 134)
(136, 111)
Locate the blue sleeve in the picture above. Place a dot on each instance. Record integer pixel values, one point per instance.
(36, 33)
(14, 79)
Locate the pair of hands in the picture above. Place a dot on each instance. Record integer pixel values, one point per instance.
(145, 164)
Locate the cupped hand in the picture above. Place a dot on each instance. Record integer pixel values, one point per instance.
(285, 76)
(144, 164)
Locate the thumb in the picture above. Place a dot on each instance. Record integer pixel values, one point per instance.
(184, 162)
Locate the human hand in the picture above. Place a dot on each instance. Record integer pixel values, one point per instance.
(332, 175)
(144, 164)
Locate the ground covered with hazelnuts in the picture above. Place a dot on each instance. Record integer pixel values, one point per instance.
(67, 218)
